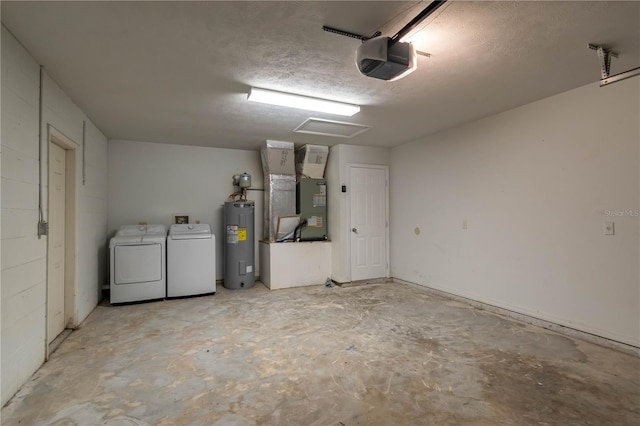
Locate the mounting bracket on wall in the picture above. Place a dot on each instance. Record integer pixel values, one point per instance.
(605, 66)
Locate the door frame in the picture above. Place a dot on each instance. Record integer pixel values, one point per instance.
(386, 213)
(54, 136)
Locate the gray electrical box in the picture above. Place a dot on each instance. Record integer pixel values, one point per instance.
(239, 253)
(311, 205)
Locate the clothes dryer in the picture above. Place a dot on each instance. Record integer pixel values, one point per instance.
(138, 263)
(191, 260)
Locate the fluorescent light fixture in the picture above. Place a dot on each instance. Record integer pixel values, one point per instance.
(302, 102)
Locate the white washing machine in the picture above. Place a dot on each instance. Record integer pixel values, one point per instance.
(138, 263)
(191, 260)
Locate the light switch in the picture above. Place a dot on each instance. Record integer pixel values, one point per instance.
(609, 228)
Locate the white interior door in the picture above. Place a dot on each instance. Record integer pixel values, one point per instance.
(56, 242)
(368, 230)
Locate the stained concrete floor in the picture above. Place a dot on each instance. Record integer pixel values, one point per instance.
(381, 354)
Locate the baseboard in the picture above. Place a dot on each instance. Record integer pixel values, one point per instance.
(55, 344)
(363, 282)
(558, 328)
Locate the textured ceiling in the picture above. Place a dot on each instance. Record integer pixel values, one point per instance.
(179, 72)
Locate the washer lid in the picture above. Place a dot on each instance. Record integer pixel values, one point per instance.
(129, 230)
(190, 231)
(156, 229)
(142, 239)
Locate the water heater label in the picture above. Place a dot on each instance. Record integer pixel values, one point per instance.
(232, 234)
(242, 234)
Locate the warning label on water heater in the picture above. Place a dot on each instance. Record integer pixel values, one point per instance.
(242, 234)
(232, 234)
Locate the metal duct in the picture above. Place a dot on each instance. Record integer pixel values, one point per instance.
(278, 166)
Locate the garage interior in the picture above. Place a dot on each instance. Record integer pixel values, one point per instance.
(379, 353)
(503, 286)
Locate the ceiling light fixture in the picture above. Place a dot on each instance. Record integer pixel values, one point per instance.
(302, 102)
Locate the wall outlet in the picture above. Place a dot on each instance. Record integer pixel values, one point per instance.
(465, 225)
(608, 228)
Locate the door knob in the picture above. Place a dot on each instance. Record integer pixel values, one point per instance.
(354, 230)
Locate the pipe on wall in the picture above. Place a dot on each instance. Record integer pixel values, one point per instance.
(42, 224)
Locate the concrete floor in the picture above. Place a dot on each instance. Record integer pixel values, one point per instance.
(380, 354)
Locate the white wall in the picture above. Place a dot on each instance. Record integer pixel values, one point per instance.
(23, 255)
(23, 260)
(337, 174)
(149, 182)
(92, 244)
(533, 186)
(60, 112)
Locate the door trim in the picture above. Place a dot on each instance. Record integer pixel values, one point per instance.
(54, 136)
(347, 230)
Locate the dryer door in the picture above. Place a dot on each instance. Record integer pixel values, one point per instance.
(137, 263)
